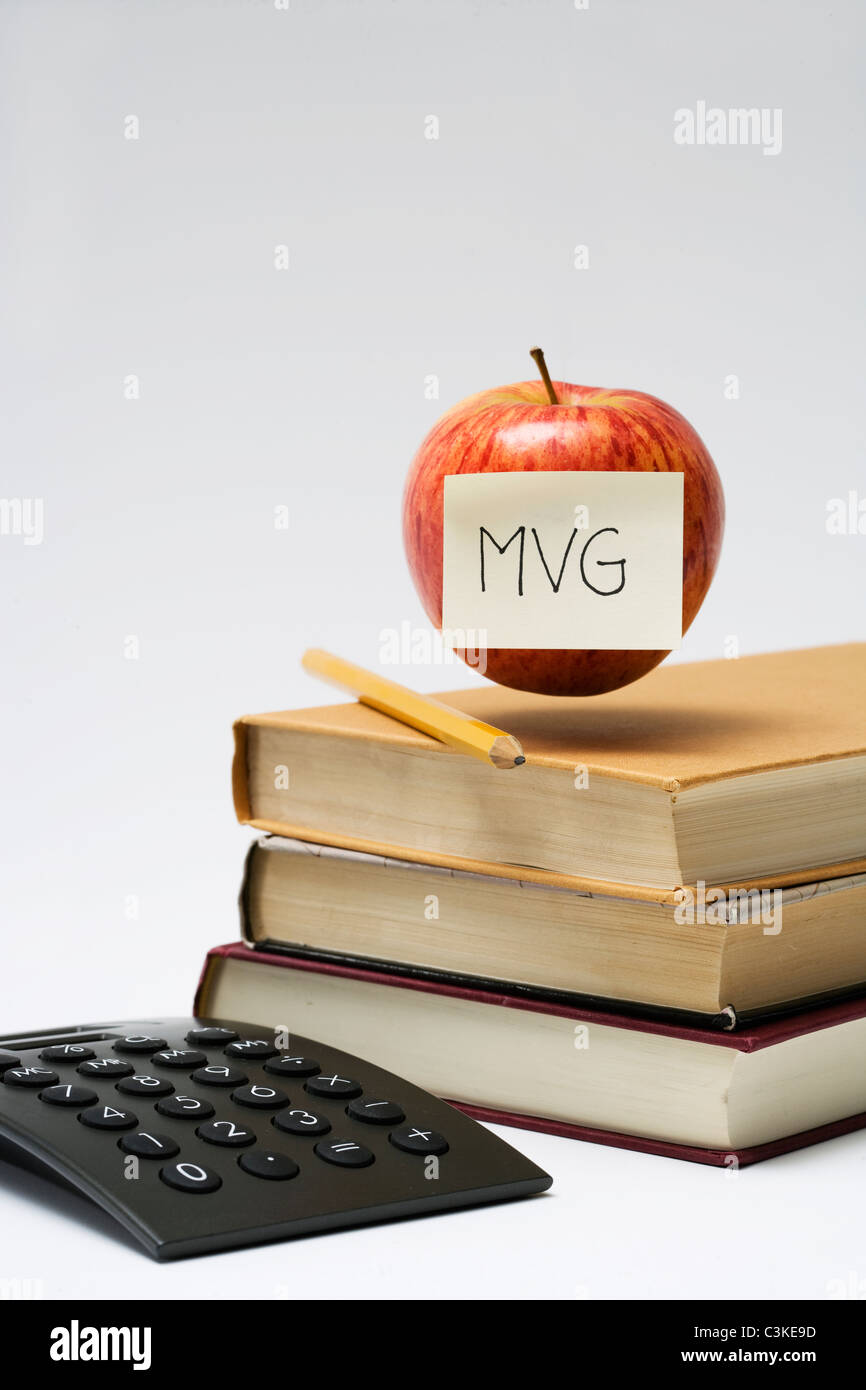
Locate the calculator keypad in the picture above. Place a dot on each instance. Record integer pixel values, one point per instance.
(300, 1124)
(342, 1152)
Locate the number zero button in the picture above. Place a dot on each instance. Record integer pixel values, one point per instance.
(190, 1177)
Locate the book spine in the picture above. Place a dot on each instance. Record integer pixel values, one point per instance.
(200, 1001)
(244, 895)
(240, 772)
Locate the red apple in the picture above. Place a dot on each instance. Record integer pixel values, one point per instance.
(518, 428)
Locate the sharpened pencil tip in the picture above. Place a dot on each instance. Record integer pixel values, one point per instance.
(518, 761)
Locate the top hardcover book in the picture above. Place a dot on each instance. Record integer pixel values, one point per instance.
(744, 771)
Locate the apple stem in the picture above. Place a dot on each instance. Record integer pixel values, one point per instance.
(538, 358)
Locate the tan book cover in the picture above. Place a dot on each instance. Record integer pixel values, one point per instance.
(751, 953)
(770, 748)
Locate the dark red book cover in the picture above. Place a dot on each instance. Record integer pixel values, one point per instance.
(751, 1039)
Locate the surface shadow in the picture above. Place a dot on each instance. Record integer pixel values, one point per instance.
(43, 1188)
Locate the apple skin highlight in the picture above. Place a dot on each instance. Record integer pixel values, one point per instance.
(516, 429)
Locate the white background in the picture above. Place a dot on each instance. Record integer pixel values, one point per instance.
(305, 388)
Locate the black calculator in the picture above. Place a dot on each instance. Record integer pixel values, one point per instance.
(201, 1134)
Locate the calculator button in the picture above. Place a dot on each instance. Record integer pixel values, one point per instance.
(300, 1122)
(260, 1097)
(226, 1133)
(375, 1112)
(139, 1042)
(68, 1095)
(185, 1108)
(340, 1087)
(144, 1086)
(179, 1057)
(67, 1052)
(190, 1177)
(106, 1066)
(149, 1145)
(293, 1066)
(30, 1076)
(8, 1059)
(219, 1075)
(262, 1164)
(418, 1141)
(106, 1117)
(345, 1153)
(210, 1037)
(251, 1047)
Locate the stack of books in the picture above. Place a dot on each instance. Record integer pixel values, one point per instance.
(651, 935)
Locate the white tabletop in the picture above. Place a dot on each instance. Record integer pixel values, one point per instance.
(615, 1225)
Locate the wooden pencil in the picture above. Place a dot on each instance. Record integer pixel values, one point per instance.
(422, 712)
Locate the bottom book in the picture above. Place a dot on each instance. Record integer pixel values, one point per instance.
(718, 1098)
